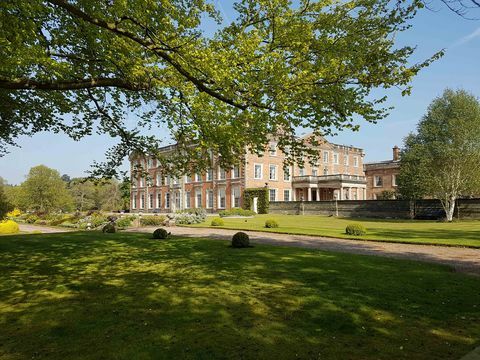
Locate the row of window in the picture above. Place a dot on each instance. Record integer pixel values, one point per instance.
(273, 172)
(221, 175)
(159, 200)
(378, 180)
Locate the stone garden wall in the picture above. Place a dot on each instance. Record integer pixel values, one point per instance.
(384, 209)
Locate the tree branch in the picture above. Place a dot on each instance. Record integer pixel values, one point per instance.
(149, 45)
(30, 84)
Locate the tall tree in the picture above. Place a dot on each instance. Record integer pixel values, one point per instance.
(5, 205)
(44, 190)
(82, 192)
(276, 67)
(441, 159)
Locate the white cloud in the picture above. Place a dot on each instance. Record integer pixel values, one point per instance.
(475, 34)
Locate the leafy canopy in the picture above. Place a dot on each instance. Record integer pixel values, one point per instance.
(441, 159)
(123, 67)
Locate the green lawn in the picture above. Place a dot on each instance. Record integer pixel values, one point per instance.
(463, 233)
(126, 296)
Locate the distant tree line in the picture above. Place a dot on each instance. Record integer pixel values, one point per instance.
(45, 190)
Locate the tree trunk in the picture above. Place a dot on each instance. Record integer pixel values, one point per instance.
(449, 207)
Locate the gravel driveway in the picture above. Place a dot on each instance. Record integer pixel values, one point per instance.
(461, 259)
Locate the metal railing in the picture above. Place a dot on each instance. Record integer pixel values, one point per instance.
(325, 178)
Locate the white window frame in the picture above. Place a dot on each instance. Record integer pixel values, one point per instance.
(255, 171)
(355, 161)
(236, 194)
(345, 159)
(301, 171)
(209, 175)
(375, 182)
(326, 157)
(394, 180)
(210, 197)
(289, 197)
(134, 201)
(335, 158)
(141, 182)
(275, 167)
(222, 173)
(219, 197)
(287, 174)
(270, 194)
(187, 199)
(198, 177)
(149, 163)
(167, 200)
(151, 201)
(159, 200)
(235, 172)
(198, 202)
(142, 201)
(272, 149)
(314, 172)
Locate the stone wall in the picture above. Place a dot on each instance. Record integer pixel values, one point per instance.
(384, 209)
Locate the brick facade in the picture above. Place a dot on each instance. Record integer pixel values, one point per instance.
(338, 174)
(381, 176)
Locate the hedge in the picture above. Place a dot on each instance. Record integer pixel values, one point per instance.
(263, 201)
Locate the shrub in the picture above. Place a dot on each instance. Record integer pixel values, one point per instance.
(125, 221)
(356, 229)
(217, 222)
(190, 216)
(160, 233)
(9, 227)
(271, 223)
(31, 218)
(236, 212)
(152, 220)
(109, 228)
(40, 222)
(240, 240)
(14, 213)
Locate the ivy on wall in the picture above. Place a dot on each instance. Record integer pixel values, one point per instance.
(263, 201)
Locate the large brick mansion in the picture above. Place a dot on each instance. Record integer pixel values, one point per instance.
(338, 174)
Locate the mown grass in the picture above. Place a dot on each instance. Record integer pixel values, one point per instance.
(87, 295)
(459, 233)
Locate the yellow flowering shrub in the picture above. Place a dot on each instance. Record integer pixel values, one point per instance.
(9, 227)
(14, 213)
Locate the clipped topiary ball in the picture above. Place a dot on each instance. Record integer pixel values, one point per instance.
(271, 223)
(356, 229)
(217, 222)
(240, 240)
(109, 228)
(160, 233)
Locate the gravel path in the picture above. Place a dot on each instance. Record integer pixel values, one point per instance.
(461, 259)
(42, 228)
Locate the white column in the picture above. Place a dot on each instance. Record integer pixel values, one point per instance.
(364, 194)
(341, 194)
(309, 194)
(349, 193)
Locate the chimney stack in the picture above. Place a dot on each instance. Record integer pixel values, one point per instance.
(396, 153)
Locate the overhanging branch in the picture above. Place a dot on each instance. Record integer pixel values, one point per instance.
(31, 84)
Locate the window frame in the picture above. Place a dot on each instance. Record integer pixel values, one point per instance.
(255, 171)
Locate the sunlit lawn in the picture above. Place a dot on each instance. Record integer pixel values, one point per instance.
(126, 296)
(461, 233)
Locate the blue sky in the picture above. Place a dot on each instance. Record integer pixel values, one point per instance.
(431, 31)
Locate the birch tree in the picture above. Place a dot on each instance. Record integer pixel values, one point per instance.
(442, 160)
